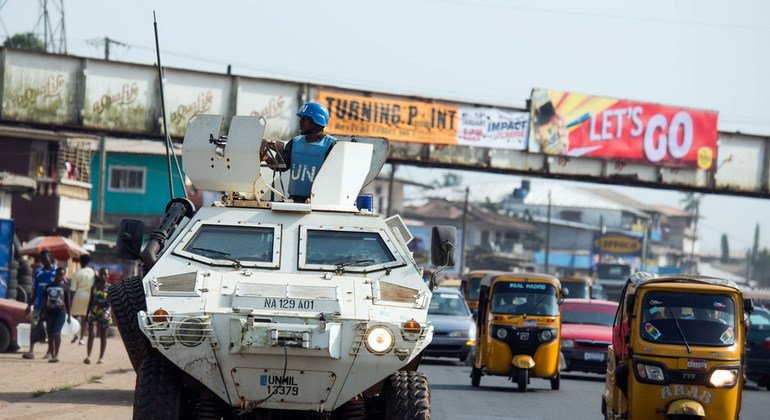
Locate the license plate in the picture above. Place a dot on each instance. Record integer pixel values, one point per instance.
(279, 385)
(592, 356)
(301, 304)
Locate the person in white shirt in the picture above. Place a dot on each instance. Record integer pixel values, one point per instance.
(80, 287)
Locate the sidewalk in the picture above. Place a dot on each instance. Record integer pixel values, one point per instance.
(70, 389)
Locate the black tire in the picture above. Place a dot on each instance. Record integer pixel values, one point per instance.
(475, 377)
(407, 396)
(158, 393)
(12, 286)
(21, 294)
(523, 379)
(127, 299)
(5, 338)
(556, 381)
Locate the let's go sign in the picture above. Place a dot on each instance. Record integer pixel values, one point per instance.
(573, 124)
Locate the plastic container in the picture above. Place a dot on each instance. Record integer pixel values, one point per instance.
(70, 328)
(22, 334)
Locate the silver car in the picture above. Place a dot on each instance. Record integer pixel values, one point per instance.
(454, 330)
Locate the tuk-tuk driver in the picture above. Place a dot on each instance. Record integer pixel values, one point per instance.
(304, 154)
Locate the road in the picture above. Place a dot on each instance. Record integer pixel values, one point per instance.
(34, 389)
(453, 398)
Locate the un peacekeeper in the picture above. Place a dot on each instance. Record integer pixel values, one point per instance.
(305, 153)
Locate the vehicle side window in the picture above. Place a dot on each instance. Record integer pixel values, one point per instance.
(759, 321)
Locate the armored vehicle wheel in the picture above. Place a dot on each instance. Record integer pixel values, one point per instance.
(523, 380)
(158, 393)
(475, 377)
(127, 299)
(556, 382)
(406, 396)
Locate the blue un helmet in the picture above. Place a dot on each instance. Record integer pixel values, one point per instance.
(315, 112)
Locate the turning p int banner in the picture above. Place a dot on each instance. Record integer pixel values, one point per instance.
(401, 120)
(573, 124)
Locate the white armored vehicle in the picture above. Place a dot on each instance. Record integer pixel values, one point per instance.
(259, 307)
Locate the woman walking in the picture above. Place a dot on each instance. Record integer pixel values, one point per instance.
(98, 315)
(56, 309)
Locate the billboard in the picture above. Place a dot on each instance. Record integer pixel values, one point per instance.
(492, 128)
(395, 119)
(276, 102)
(119, 97)
(617, 244)
(189, 94)
(40, 88)
(576, 125)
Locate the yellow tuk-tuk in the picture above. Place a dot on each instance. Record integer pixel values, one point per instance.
(677, 349)
(581, 287)
(471, 283)
(518, 328)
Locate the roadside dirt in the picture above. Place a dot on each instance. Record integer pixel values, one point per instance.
(70, 389)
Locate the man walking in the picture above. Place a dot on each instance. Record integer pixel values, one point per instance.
(43, 277)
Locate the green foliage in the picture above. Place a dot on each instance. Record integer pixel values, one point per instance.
(491, 205)
(725, 250)
(25, 41)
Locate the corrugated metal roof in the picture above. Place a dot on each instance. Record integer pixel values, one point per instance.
(670, 211)
(139, 147)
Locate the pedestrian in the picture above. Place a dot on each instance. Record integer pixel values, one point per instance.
(99, 315)
(43, 277)
(305, 154)
(82, 282)
(55, 310)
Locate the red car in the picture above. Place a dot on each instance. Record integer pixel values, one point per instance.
(11, 315)
(585, 333)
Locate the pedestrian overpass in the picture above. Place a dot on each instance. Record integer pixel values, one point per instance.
(63, 96)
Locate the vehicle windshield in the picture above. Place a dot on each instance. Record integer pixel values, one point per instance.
(448, 304)
(759, 320)
(353, 249)
(590, 315)
(704, 319)
(519, 298)
(473, 288)
(241, 243)
(577, 290)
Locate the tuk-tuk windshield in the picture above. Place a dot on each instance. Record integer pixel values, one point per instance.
(519, 298)
(704, 319)
(577, 290)
(474, 284)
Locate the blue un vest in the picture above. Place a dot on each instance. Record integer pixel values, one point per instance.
(306, 160)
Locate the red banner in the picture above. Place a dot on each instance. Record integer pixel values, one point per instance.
(576, 125)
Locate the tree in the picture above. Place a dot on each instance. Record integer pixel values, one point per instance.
(25, 41)
(755, 247)
(762, 267)
(725, 250)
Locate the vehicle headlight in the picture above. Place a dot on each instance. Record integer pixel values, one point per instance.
(461, 333)
(379, 339)
(568, 344)
(501, 333)
(650, 372)
(190, 332)
(724, 378)
(546, 335)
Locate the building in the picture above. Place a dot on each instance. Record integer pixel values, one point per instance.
(59, 163)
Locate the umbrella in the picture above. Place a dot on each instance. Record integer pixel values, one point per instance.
(61, 248)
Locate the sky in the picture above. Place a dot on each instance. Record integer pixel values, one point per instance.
(701, 54)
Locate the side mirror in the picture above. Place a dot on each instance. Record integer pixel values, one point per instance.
(748, 305)
(129, 242)
(442, 247)
(565, 291)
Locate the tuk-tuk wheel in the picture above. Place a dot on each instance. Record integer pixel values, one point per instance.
(475, 377)
(556, 381)
(523, 379)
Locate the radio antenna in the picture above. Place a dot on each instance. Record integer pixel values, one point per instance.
(169, 145)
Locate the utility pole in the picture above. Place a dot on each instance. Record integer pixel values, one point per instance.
(465, 231)
(102, 187)
(548, 234)
(693, 269)
(106, 41)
